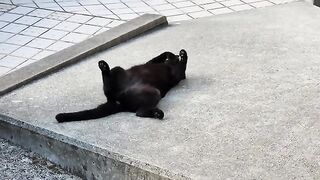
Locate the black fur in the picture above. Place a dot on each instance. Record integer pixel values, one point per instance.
(138, 89)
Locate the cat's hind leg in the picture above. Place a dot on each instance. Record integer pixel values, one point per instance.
(148, 106)
(150, 112)
(143, 99)
(104, 67)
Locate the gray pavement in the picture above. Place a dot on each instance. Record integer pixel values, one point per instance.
(77, 52)
(249, 108)
(19, 164)
(33, 29)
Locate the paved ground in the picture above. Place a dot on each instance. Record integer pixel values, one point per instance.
(17, 163)
(33, 29)
(249, 108)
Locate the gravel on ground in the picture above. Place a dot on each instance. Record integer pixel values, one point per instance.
(19, 164)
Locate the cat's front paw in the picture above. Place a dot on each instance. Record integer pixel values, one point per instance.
(60, 118)
(103, 66)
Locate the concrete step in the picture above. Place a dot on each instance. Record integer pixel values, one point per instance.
(249, 108)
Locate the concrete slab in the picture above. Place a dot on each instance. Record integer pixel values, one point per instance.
(249, 109)
(81, 50)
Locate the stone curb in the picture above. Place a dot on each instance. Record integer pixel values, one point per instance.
(84, 160)
(79, 51)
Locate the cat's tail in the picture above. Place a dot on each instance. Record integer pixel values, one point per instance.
(102, 110)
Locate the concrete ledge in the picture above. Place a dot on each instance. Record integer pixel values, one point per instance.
(77, 52)
(82, 159)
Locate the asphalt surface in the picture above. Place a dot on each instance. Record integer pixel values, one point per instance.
(18, 163)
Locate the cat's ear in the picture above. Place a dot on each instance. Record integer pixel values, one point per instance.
(104, 67)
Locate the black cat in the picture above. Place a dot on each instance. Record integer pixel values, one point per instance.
(138, 89)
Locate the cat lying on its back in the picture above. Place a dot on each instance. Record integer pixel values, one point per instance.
(138, 89)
